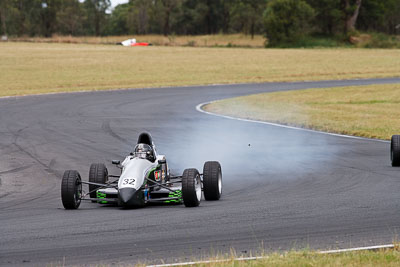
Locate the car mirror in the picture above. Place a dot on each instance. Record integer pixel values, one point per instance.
(116, 162)
(162, 161)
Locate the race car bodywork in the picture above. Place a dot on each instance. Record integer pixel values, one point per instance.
(395, 150)
(144, 178)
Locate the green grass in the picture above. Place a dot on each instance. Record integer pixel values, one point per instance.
(383, 257)
(363, 258)
(369, 111)
(35, 68)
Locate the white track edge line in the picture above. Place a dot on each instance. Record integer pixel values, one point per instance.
(356, 249)
(199, 108)
(265, 257)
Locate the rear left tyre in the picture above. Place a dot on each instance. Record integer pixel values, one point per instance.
(212, 180)
(98, 173)
(191, 188)
(395, 151)
(71, 190)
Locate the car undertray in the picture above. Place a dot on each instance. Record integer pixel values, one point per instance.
(174, 195)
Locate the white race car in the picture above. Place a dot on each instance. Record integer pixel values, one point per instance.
(144, 179)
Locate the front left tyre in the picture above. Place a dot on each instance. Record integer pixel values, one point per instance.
(395, 151)
(71, 189)
(191, 188)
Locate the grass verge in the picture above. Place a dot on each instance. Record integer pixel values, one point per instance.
(34, 68)
(362, 258)
(368, 111)
(369, 258)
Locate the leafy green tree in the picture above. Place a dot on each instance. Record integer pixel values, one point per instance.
(26, 17)
(117, 24)
(204, 16)
(247, 15)
(382, 16)
(287, 21)
(96, 16)
(3, 8)
(226, 15)
(138, 18)
(166, 12)
(328, 16)
(70, 17)
(49, 16)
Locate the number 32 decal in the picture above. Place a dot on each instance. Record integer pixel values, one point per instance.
(130, 181)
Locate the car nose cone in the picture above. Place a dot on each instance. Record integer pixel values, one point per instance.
(126, 195)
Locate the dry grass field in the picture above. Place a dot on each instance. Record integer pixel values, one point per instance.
(33, 68)
(369, 111)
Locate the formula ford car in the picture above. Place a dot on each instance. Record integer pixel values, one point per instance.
(395, 150)
(145, 178)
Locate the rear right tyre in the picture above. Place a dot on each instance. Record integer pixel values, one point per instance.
(395, 151)
(98, 173)
(191, 188)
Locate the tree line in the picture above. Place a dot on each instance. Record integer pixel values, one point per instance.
(280, 20)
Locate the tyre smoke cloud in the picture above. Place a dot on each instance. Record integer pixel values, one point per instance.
(248, 151)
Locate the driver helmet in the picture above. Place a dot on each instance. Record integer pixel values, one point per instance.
(143, 151)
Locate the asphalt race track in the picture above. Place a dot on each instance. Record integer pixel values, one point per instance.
(283, 188)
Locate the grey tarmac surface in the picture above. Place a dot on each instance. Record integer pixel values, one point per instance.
(283, 188)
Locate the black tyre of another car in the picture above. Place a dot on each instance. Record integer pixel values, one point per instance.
(191, 188)
(395, 151)
(98, 173)
(71, 190)
(212, 180)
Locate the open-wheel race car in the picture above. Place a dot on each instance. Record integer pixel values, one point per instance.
(145, 178)
(395, 150)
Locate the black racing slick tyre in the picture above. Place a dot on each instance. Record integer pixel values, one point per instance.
(98, 173)
(395, 151)
(212, 180)
(71, 190)
(191, 188)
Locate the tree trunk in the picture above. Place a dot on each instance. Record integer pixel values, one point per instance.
(351, 18)
(21, 28)
(252, 30)
(208, 17)
(97, 23)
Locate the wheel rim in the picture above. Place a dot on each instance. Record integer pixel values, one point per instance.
(220, 183)
(78, 192)
(198, 188)
(391, 152)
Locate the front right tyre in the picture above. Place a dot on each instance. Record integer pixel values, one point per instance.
(191, 188)
(212, 180)
(395, 150)
(71, 189)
